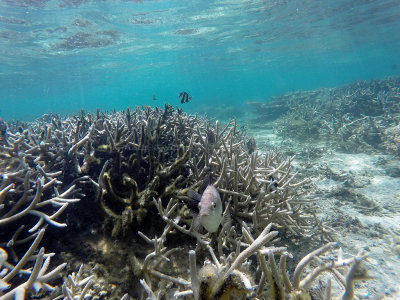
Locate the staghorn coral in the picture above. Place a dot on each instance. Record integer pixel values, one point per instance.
(30, 188)
(153, 153)
(392, 139)
(148, 153)
(80, 285)
(357, 117)
(118, 162)
(229, 277)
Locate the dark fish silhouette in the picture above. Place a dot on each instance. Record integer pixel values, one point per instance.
(154, 97)
(184, 97)
(273, 184)
(3, 128)
(251, 145)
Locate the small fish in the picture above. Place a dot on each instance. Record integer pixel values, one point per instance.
(211, 138)
(154, 97)
(273, 184)
(210, 206)
(3, 127)
(184, 97)
(251, 145)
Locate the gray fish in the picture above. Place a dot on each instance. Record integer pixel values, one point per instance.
(184, 97)
(210, 206)
(3, 127)
(273, 184)
(251, 145)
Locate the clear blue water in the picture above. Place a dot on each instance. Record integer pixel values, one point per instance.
(63, 56)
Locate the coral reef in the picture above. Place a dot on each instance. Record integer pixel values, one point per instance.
(230, 276)
(131, 172)
(359, 117)
(30, 189)
(392, 139)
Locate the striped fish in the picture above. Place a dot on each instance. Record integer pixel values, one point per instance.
(184, 97)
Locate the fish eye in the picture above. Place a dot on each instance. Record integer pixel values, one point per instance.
(213, 205)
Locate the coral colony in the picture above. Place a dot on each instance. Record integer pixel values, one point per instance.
(134, 170)
(359, 117)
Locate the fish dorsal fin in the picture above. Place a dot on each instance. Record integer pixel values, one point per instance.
(194, 196)
(206, 183)
(194, 199)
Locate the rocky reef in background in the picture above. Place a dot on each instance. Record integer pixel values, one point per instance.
(119, 181)
(360, 117)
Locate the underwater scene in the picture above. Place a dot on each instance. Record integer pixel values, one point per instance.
(206, 150)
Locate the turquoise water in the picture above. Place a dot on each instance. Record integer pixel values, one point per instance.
(63, 56)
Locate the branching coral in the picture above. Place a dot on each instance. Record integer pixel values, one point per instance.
(133, 157)
(38, 275)
(30, 187)
(357, 117)
(76, 286)
(230, 277)
(150, 153)
(261, 188)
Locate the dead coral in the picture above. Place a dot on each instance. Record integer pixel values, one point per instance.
(229, 277)
(38, 276)
(152, 153)
(357, 117)
(133, 157)
(392, 139)
(31, 188)
(148, 153)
